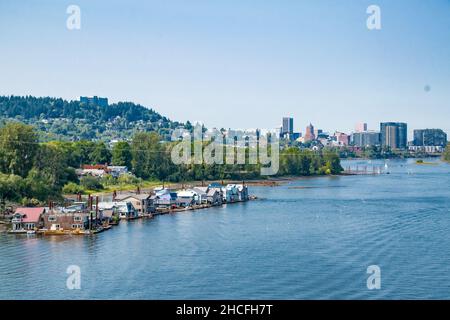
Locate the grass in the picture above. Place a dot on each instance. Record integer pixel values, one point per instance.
(123, 187)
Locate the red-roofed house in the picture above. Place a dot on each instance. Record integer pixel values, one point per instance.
(25, 219)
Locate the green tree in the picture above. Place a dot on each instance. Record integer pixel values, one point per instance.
(100, 154)
(332, 163)
(150, 158)
(91, 183)
(121, 154)
(72, 188)
(447, 153)
(12, 187)
(18, 146)
(39, 186)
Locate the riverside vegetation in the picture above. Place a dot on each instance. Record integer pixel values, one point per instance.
(32, 172)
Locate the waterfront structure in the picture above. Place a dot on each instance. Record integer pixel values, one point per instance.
(202, 193)
(235, 192)
(426, 149)
(96, 101)
(309, 135)
(242, 192)
(288, 126)
(186, 198)
(87, 218)
(430, 137)
(361, 127)
(215, 196)
(142, 202)
(164, 198)
(365, 139)
(394, 135)
(27, 219)
(108, 212)
(58, 220)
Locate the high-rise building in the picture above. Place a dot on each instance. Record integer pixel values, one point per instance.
(430, 137)
(342, 138)
(317, 132)
(361, 127)
(288, 126)
(96, 101)
(365, 139)
(394, 135)
(309, 135)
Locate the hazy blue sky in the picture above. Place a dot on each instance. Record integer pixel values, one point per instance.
(239, 64)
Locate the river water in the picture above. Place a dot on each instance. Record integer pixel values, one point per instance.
(309, 239)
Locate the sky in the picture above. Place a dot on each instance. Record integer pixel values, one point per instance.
(238, 63)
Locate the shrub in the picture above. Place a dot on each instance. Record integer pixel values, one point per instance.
(91, 183)
(72, 188)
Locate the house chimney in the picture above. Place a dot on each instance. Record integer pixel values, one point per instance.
(114, 195)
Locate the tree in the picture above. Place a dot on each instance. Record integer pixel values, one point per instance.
(52, 161)
(39, 186)
(12, 187)
(72, 188)
(18, 146)
(150, 159)
(332, 163)
(447, 153)
(121, 154)
(91, 183)
(100, 154)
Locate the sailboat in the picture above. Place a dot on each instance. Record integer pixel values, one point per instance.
(386, 168)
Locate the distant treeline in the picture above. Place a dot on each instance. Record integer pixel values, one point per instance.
(32, 172)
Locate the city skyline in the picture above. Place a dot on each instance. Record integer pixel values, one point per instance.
(316, 61)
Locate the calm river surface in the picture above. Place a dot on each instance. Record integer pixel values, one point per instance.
(312, 242)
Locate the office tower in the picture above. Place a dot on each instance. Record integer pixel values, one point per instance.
(430, 137)
(342, 138)
(309, 135)
(394, 135)
(366, 139)
(288, 126)
(361, 127)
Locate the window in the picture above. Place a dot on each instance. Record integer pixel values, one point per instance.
(77, 218)
(77, 226)
(51, 218)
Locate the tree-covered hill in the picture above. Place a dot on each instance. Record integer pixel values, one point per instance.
(73, 120)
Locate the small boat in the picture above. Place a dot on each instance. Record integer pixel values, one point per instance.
(31, 232)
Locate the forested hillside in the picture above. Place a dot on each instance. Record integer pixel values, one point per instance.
(60, 119)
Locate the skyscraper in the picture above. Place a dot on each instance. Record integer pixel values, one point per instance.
(309, 135)
(366, 139)
(361, 127)
(430, 137)
(288, 126)
(394, 135)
